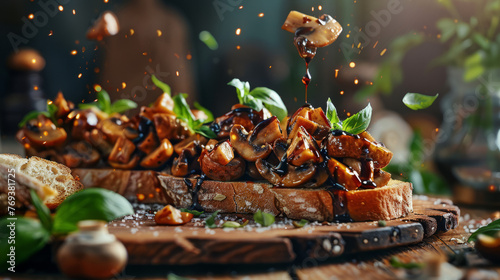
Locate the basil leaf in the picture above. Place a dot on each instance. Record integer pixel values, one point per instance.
(489, 229)
(90, 204)
(396, 263)
(209, 40)
(300, 224)
(241, 88)
(210, 221)
(122, 105)
(104, 101)
(271, 100)
(231, 224)
(331, 115)
(30, 237)
(252, 102)
(52, 110)
(161, 85)
(206, 131)
(42, 211)
(88, 105)
(194, 212)
(417, 101)
(264, 219)
(210, 116)
(358, 122)
(30, 116)
(182, 110)
(172, 276)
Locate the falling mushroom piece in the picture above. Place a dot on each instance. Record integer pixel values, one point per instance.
(319, 32)
(106, 25)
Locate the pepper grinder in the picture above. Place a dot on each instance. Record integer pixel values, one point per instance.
(92, 252)
(24, 89)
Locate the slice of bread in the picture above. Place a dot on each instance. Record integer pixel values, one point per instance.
(384, 203)
(53, 180)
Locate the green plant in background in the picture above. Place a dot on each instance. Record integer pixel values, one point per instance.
(32, 235)
(414, 170)
(473, 43)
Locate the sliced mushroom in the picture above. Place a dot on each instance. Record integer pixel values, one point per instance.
(42, 132)
(149, 143)
(319, 178)
(127, 166)
(313, 120)
(80, 154)
(83, 121)
(266, 132)
(222, 153)
(247, 117)
(164, 103)
(280, 146)
(180, 166)
(381, 178)
(122, 151)
(193, 144)
(342, 144)
(322, 31)
(253, 172)
(303, 149)
(170, 127)
(112, 128)
(63, 106)
(288, 175)
(240, 141)
(216, 171)
(344, 175)
(98, 140)
(159, 156)
(317, 131)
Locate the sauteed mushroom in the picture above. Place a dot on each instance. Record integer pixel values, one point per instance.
(42, 132)
(240, 141)
(313, 120)
(216, 166)
(122, 151)
(159, 156)
(286, 176)
(170, 127)
(344, 175)
(80, 154)
(303, 149)
(244, 116)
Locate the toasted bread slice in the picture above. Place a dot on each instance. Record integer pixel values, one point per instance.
(384, 203)
(52, 181)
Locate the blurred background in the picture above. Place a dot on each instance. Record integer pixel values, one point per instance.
(387, 49)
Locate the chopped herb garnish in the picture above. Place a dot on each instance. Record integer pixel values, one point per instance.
(210, 221)
(194, 212)
(264, 219)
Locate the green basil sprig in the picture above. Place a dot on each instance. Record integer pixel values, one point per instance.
(32, 235)
(417, 101)
(194, 212)
(355, 124)
(264, 219)
(490, 229)
(50, 113)
(210, 221)
(259, 98)
(104, 104)
(161, 85)
(183, 112)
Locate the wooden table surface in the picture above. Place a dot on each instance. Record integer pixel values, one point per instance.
(372, 265)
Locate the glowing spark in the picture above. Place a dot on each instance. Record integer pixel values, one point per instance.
(140, 196)
(97, 88)
(342, 92)
(132, 32)
(270, 66)
(437, 129)
(238, 31)
(61, 8)
(144, 53)
(73, 52)
(348, 35)
(31, 16)
(352, 64)
(439, 36)
(376, 43)
(383, 52)
(79, 75)
(359, 45)
(35, 87)
(51, 33)
(106, 1)
(189, 56)
(356, 81)
(312, 9)
(74, 12)
(336, 73)
(33, 61)
(97, 70)
(261, 15)
(491, 188)
(348, 114)
(124, 85)
(238, 47)
(240, 7)
(158, 32)
(320, 7)
(49, 102)
(177, 73)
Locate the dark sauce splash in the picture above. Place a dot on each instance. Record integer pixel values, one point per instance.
(194, 192)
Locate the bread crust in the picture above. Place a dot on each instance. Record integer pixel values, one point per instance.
(53, 181)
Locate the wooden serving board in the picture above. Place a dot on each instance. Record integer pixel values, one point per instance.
(148, 243)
